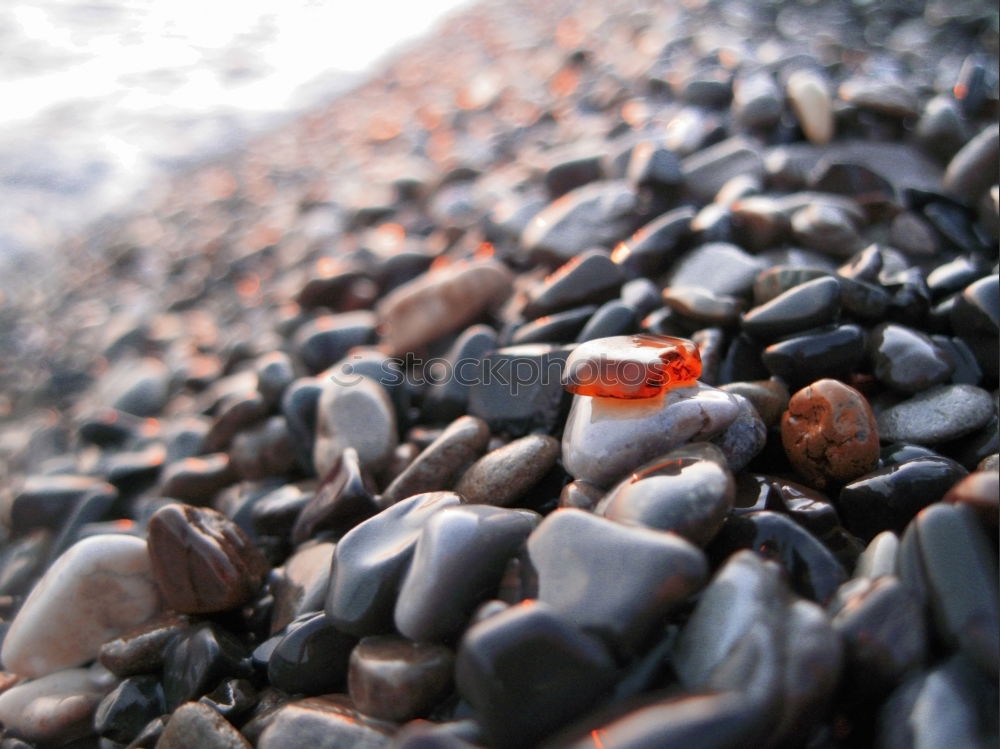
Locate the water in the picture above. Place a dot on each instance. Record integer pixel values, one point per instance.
(99, 98)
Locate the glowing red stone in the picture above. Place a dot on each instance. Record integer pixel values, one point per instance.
(631, 366)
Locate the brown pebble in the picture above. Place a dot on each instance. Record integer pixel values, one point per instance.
(202, 561)
(502, 476)
(829, 433)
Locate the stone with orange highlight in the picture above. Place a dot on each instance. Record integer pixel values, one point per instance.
(829, 433)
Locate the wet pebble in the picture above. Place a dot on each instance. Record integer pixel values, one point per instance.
(808, 305)
(590, 278)
(394, 679)
(196, 724)
(340, 503)
(327, 722)
(826, 352)
(198, 659)
(129, 707)
(309, 657)
(505, 475)
(908, 360)
(202, 561)
(706, 171)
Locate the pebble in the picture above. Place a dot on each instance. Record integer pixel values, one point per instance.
(885, 637)
(141, 386)
(654, 166)
(598, 214)
(886, 98)
(235, 413)
(275, 372)
(879, 557)
(505, 475)
(394, 679)
(202, 561)
(198, 659)
(439, 302)
(561, 327)
(370, 562)
(888, 498)
(299, 407)
(717, 267)
(826, 229)
(769, 397)
(706, 171)
(937, 415)
(197, 480)
(699, 307)
(56, 708)
(45, 501)
(590, 278)
(959, 573)
(756, 100)
(611, 580)
(612, 318)
(808, 305)
(503, 660)
(980, 490)
(460, 557)
(126, 710)
(826, 352)
(809, 95)
(689, 491)
(449, 399)
(300, 584)
(974, 168)
(325, 340)
(140, 650)
(518, 390)
(654, 246)
(908, 360)
(98, 589)
(195, 724)
(744, 438)
(309, 657)
(812, 570)
(327, 722)
(344, 500)
(829, 433)
(605, 438)
(632, 367)
(358, 414)
(438, 465)
(263, 452)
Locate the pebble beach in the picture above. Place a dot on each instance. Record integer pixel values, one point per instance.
(602, 374)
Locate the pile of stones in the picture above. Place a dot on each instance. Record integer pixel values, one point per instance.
(608, 374)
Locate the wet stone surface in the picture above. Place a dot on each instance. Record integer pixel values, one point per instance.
(598, 373)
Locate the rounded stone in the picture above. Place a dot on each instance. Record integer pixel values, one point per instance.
(391, 678)
(937, 415)
(829, 433)
(504, 475)
(196, 724)
(354, 413)
(809, 94)
(908, 360)
(98, 589)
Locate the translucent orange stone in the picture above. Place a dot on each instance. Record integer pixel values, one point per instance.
(631, 366)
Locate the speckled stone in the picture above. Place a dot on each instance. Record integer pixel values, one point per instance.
(98, 589)
(202, 561)
(829, 433)
(605, 438)
(937, 415)
(504, 475)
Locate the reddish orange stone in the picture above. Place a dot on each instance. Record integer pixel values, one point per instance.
(631, 366)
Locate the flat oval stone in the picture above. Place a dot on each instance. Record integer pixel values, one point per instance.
(439, 302)
(503, 476)
(908, 360)
(636, 366)
(656, 244)
(810, 356)
(718, 267)
(884, 97)
(937, 415)
(829, 433)
(441, 462)
(459, 559)
(888, 498)
(826, 229)
(98, 589)
(590, 278)
(45, 501)
(197, 479)
(235, 414)
(612, 318)
(605, 438)
(527, 671)
(700, 307)
(196, 724)
(600, 213)
(324, 341)
(56, 708)
(809, 94)
(707, 170)
(688, 491)
(808, 305)
(611, 580)
(354, 413)
(202, 561)
(560, 327)
(391, 678)
(369, 563)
